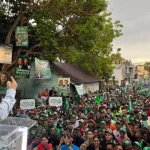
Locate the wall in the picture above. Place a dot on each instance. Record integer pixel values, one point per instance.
(91, 86)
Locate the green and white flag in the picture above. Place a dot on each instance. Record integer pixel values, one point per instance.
(130, 106)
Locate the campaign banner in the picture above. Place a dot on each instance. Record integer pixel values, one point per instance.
(21, 36)
(55, 101)
(4, 77)
(79, 89)
(27, 104)
(42, 69)
(63, 86)
(5, 54)
(23, 67)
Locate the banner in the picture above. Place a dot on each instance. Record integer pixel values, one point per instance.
(23, 67)
(79, 89)
(55, 101)
(42, 69)
(5, 54)
(63, 86)
(4, 77)
(27, 104)
(21, 36)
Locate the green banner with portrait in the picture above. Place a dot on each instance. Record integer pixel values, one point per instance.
(23, 67)
(63, 86)
(21, 36)
(42, 69)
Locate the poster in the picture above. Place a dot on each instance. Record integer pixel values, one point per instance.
(55, 101)
(5, 54)
(63, 86)
(23, 67)
(42, 69)
(4, 77)
(27, 104)
(21, 36)
(79, 89)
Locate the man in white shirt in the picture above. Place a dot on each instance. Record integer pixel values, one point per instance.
(8, 102)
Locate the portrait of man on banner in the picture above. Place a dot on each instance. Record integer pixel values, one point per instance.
(23, 67)
(63, 86)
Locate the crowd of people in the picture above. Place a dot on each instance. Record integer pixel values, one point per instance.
(119, 121)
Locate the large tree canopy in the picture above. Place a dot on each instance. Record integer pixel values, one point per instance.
(78, 32)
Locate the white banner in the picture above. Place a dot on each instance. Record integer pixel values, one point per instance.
(79, 89)
(55, 101)
(27, 104)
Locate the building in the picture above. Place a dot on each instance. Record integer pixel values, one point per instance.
(141, 72)
(30, 88)
(124, 72)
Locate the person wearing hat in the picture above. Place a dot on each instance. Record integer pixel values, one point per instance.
(109, 125)
(127, 145)
(122, 136)
(118, 126)
(91, 125)
(82, 126)
(69, 128)
(137, 146)
(74, 121)
(109, 138)
(55, 117)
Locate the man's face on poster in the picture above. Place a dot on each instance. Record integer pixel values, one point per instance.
(61, 83)
(66, 82)
(20, 61)
(25, 61)
(3, 78)
(19, 37)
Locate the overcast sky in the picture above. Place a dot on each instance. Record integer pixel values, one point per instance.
(135, 17)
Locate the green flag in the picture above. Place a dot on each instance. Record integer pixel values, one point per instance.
(130, 106)
(98, 99)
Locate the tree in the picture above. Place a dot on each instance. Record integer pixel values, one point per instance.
(78, 32)
(147, 67)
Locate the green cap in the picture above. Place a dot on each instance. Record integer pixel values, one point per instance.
(103, 122)
(123, 130)
(146, 148)
(118, 122)
(55, 113)
(126, 143)
(61, 119)
(74, 116)
(144, 114)
(41, 118)
(109, 131)
(69, 122)
(91, 112)
(138, 144)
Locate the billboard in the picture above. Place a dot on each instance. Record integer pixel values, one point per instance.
(42, 69)
(23, 67)
(5, 54)
(21, 36)
(63, 86)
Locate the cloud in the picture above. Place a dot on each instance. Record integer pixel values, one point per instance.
(135, 16)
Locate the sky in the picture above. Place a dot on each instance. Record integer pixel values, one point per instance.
(135, 17)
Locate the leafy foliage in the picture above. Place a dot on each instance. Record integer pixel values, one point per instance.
(77, 32)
